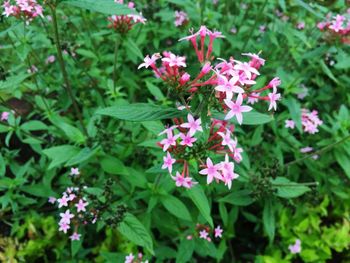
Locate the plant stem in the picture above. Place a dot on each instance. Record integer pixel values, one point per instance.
(324, 149)
(67, 85)
(254, 26)
(116, 48)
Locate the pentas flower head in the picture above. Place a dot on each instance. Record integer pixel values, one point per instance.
(205, 232)
(186, 145)
(310, 121)
(124, 23)
(26, 9)
(337, 26)
(181, 18)
(133, 259)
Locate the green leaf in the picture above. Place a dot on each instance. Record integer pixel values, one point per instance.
(82, 156)
(132, 229)
(327, 71)
(2, 166)
(199, 198)
(60, 154)
(76, 246)
(13, 82)
(133, 48)
(140, 112)
(38, 190)
(240, 198)
(288, 189)
(295, 111)
(155, 91)
(73, 133)
(308, 8)
(176, 207)
(269, 219)
(86, 53)
(249, 118)
(108, 7)
(185, 251)
(343, 160)
(34, 126)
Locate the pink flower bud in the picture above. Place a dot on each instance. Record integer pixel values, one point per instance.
(185, 78)
(131, 4)
(189, 237)
(206, 68)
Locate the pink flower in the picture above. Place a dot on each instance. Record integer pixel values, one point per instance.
(246, 68)
(181, 181)
(301, 25)
(175, 61)
(306, 149)
(50, 59)
(203, 234)
(206, 68)
(218, 231)
(275, 82)
(236, 108)
(233, 30)
(129, 259)
(227, 140)
(290, 124)
(149, 61)
(81, 205)
(273, 97)
(228, 86)
(295, 248)
(167, 130)
(187, 140)
(192, 124)
(4, 116)
(75, 236)
(66, 217)
(74, 171)
(262, 28)
(212, 171)
(52, 200)
(168, 162)
(63, 201)
(255, 58)
(252, 99)
(181, 18)
(169, 141)
(228, 174)
(63, 227)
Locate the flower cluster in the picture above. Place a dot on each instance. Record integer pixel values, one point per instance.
(27, 9)
(226, 79)
(181, 18)
(203, 232)
(309, 120)
(181, 143)
(132, 259)
(76, 212)
(225, 86)
(338, 25)
(124, 23)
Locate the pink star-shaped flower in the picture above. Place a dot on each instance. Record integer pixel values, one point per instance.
(289, 124)
(218, 231)
(81, 205)
(175, 61)
(63, 227)
(74, 171)
(246, 68)
(236, 108)
(62, 201)
(149, 61)
(4, 116)
(227, 140)
(192, 124)
(187, 140)
(168, 162)
(66, 217)
(212, 171)
(52, 200)
(203, 234)
(228, 86)
(130, 258)
(75, 236)
(273, 97)
(169, 141)
(295, 248)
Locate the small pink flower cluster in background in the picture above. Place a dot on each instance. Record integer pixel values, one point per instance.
(296, 247)
(301, 25)
(181, 18)
(75, 213)
(132, 259)
(183, 145)
(203, 232)
(27, 9)
(309, 120)
(124, 23)
(4, 116)
(338, 25)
